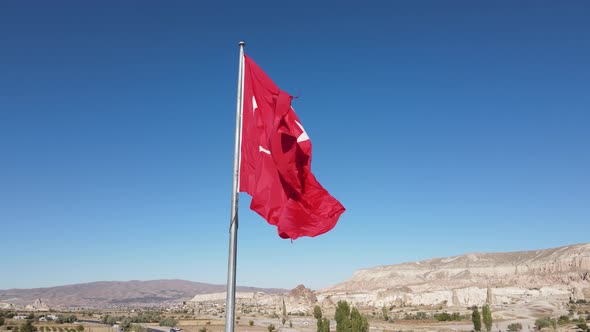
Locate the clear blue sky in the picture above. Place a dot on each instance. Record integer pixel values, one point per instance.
(442, 127)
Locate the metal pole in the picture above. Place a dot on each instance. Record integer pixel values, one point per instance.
(230, 302)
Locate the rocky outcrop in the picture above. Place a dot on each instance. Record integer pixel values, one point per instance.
(560, 274)
(299, 300)
(7, 306)
(37, 305)
(471, 279)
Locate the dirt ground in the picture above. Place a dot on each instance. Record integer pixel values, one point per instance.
(523, 312)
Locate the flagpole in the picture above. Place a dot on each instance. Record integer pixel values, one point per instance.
(230, 302)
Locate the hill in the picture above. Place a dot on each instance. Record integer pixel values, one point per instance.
(103, 294)
(472, 279)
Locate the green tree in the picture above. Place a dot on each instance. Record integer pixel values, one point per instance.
(443, 317)
(476, 319)
(125, 323)
(545, 322)
(80, 328)
(342, 317)
(421, 315)
(385, 313)
(271, 328)
(487, 317)
(317, 312)
(62, 319)
(325, 325)
(284, 318)
(563, 320)
(27, 327)
(358, 322)
(515, 327)
(251, 323)
(582, 324)
(109, 320)
(1, 321)
(169, 321)
(348, 320)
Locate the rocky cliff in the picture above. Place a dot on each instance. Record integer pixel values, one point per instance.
(299, 300)
(471, 279)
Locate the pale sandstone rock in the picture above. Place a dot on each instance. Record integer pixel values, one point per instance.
(471, 279)
(298, 300)
(460, 281)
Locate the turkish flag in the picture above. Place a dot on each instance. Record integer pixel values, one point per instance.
(275, 165)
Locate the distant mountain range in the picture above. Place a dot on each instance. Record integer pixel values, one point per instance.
(105, 294)
(560, 274)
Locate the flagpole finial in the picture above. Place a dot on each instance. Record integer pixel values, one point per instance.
(242, 43)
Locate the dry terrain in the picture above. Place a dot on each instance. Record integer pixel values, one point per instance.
(116, 294)
(520, 287)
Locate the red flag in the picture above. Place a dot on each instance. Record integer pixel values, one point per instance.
(275, 165)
